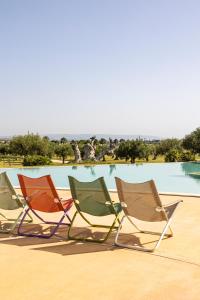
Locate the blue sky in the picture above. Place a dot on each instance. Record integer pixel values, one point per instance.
(100, 66)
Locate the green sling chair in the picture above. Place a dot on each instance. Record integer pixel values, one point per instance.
(93, 198)
(9, 200)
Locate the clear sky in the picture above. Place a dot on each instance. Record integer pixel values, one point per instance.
(100, 66)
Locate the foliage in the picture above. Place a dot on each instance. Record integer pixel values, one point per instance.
(63, 140)
(4, 149)
(63, 150)
(164, 146)
(36, 160)
(186, 156)
(122, 151)
(29, 144)
(132, 150)
(103, 141)
(192, 141)
(101, 150)
(175, 155)
(172, 155)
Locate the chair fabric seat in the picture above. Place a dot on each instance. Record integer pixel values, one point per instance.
(100, 209)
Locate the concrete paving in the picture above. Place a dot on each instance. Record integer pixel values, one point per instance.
(33, 268)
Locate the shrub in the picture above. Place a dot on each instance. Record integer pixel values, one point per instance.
(172, 155)
(36, 160)
(186, 156)
(175, 155)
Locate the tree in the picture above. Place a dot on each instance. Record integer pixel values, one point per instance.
(63, 140)
(102, 141)
(29, 144)
(51, 149)
(89, 151)
(186, 156)
(132, 150)
(101, 151)
(172, 155)
(46, 138)
(192, 141)
(136, 150)
(63, 150)
(153, 150)
(76, 150)
(164, 146)
(4, 148)
(147, 150)
(122, 151)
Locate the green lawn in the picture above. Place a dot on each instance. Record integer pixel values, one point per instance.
(13, 162)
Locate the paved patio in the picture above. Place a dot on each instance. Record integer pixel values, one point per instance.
(33, 268)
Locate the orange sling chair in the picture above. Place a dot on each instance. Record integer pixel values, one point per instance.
(41, 196)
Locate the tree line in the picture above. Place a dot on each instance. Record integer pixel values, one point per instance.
(37, 150)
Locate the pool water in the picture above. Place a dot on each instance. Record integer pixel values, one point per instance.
(169, 177)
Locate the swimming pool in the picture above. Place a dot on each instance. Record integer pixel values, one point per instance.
(169, 177)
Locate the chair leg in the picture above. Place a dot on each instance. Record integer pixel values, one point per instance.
(49, 222)
(162, 234)
(29, 220)
(150, 232)
(70, 237)
(97, 225)
(15, 222)
(21, 233)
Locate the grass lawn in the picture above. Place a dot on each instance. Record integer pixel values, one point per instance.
(17, 162)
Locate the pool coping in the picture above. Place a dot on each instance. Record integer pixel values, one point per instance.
(115, 191)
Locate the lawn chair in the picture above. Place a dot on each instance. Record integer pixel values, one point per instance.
(41, 196)
(142, 201)
(93, 198)
(10, 200)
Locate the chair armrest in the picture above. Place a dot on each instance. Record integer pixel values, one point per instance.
(21, 199)
(171, 207)
(69, 199)
(172, 203)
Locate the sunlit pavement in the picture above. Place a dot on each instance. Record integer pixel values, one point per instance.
(33, 268)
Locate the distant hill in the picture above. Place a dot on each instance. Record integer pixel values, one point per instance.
(86, 136)
(99, 136)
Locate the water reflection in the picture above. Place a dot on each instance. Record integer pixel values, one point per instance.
(190, 168)
(112, 168)
(34, 171)
(92, 170)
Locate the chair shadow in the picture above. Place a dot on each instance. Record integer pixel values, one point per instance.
(14, 239)
(74, 247)
(70, 247)
(127, 238)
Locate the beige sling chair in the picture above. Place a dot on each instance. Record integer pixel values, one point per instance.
(141, 201)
